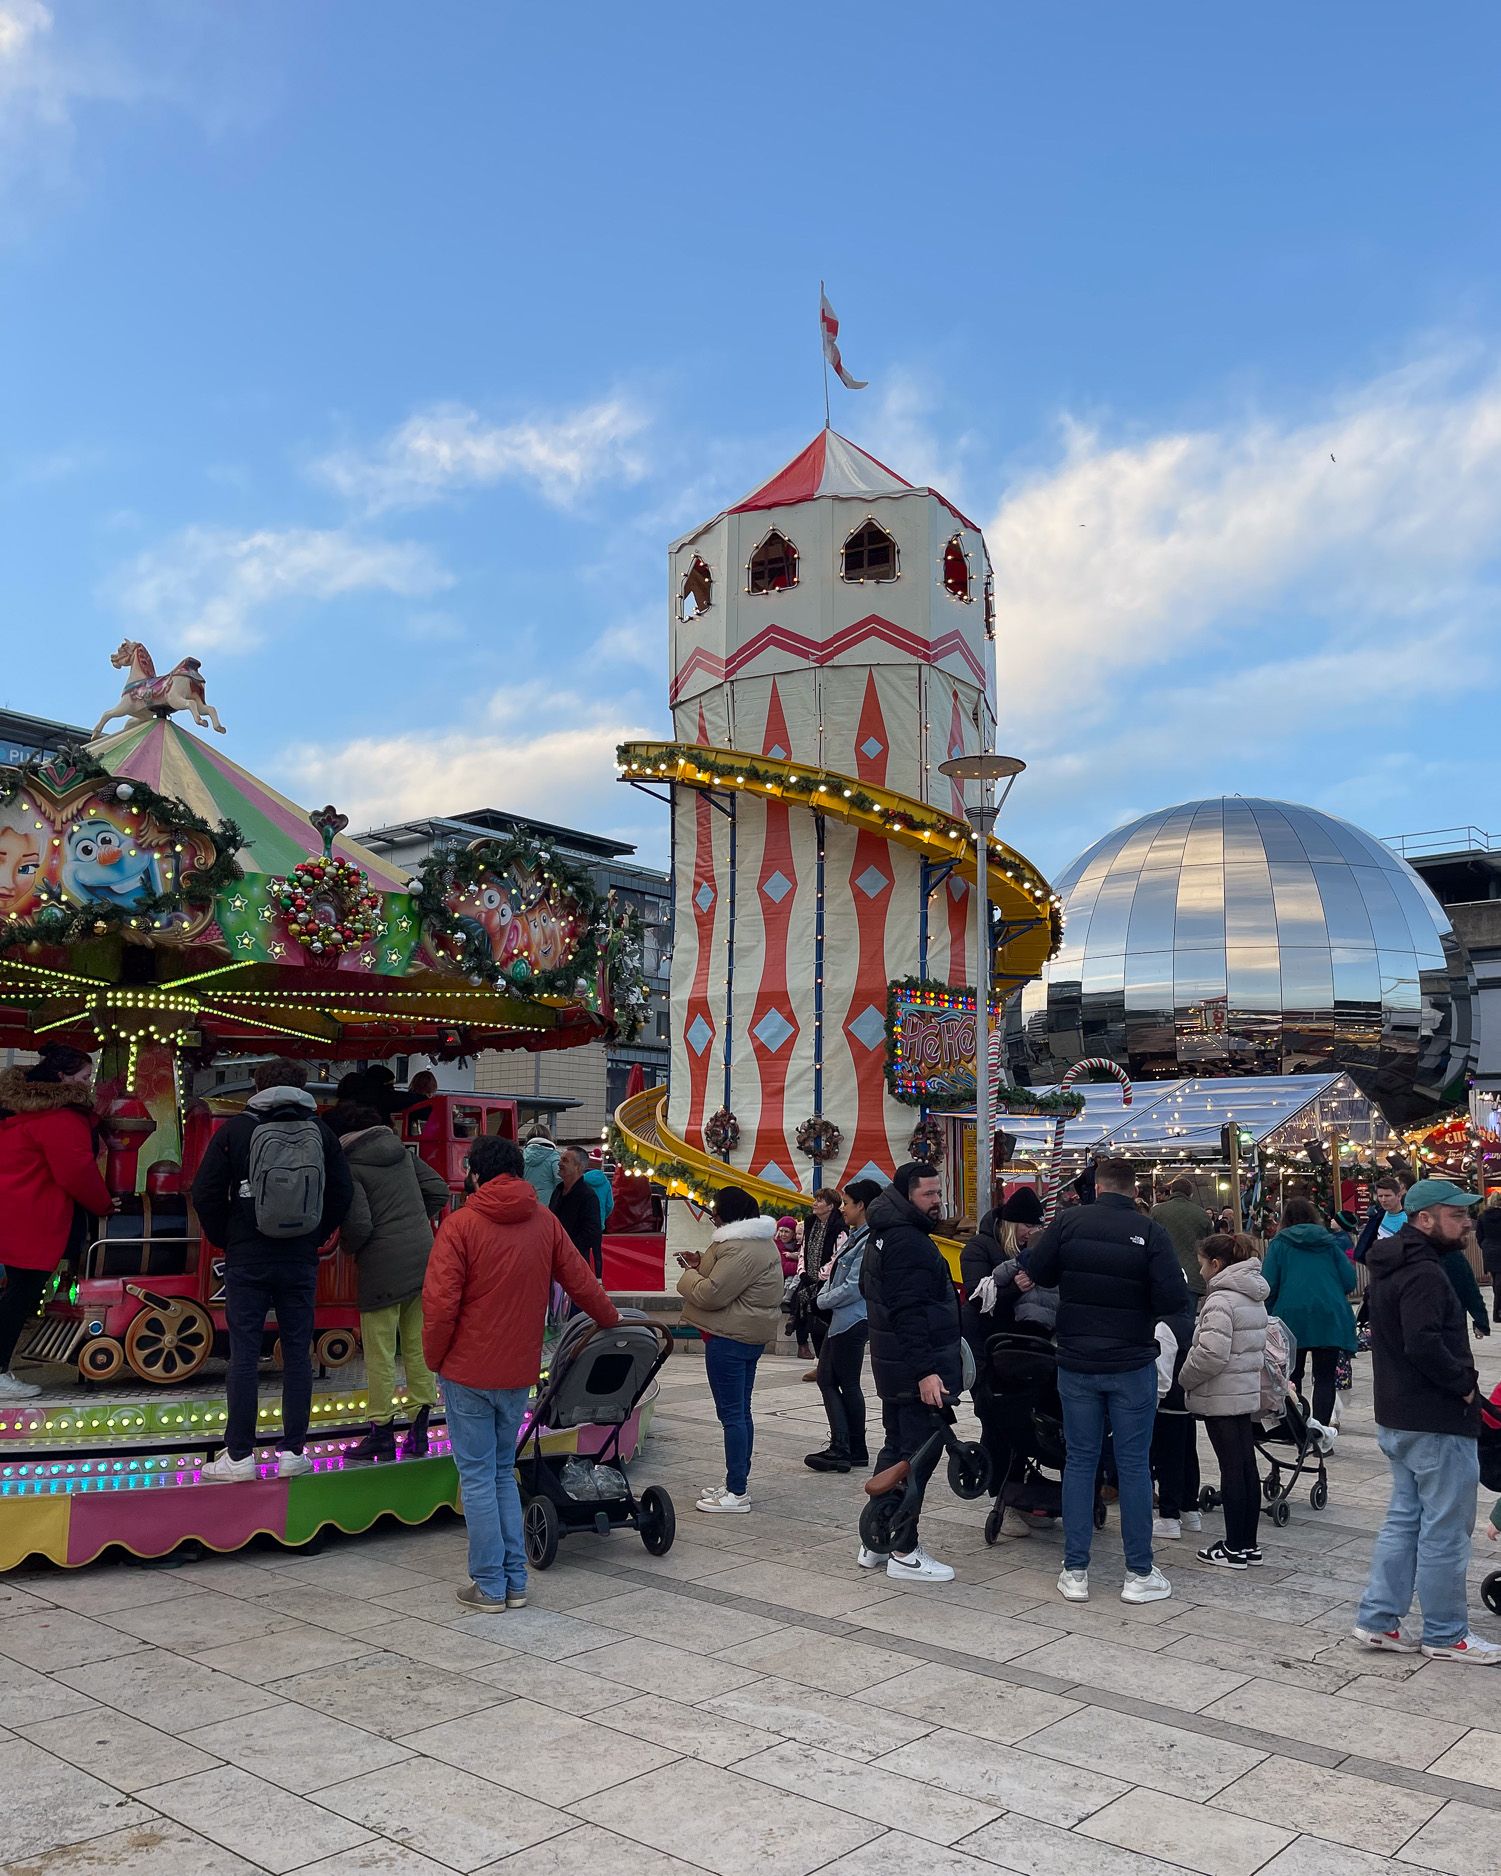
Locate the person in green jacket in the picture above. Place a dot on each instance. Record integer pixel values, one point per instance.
(389, 1233)
(1310, 1279)
(1456, 1267)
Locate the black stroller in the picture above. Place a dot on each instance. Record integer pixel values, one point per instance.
(597, 1377)
(1285, 1439)
(1022, 1373)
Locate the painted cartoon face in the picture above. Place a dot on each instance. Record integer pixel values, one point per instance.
(20, 867)
(101, 862)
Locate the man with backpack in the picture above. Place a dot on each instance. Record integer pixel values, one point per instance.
(273, 1186)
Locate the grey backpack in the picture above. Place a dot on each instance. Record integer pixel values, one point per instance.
(286, 1177)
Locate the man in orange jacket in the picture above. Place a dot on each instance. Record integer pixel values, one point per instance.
(484, 1305)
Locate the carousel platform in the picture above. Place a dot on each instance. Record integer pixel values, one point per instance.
(85, 1468)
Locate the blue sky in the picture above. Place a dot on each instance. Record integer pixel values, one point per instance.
(373, 353)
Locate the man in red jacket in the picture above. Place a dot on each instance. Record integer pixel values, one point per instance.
(484, 1306)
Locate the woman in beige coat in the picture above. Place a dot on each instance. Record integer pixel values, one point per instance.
(732, 1294)
(1221, 1382)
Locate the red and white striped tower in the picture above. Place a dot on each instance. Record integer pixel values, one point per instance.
(838, 616)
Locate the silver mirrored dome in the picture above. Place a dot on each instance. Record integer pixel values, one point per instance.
(1242, 937)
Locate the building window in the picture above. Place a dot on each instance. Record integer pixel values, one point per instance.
(956, 569)
(696, 594)
(773, 566)
(869, 554)
(662, 1031)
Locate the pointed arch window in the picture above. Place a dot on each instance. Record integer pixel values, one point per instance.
(696, 594)
(869, 554)
(956, 570)
(773, 566)
(989, 606)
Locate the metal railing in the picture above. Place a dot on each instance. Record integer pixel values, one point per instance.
(1443, 840)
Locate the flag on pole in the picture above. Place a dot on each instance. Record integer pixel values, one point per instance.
(830, 324)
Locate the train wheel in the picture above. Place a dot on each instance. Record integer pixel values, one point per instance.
(539, 1531)
(101, 1358)
(335, 1348)
(169, 1344)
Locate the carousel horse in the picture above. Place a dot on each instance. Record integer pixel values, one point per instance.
(147, 695)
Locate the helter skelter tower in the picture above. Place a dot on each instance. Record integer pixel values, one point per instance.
(831, 645)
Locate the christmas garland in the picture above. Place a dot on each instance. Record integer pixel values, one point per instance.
(59, 920)
(721, 1132)
(603, 929)
(820, 1139)
(671, 1172)
(349, 887)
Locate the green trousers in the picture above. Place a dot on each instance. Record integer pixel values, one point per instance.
(379, 1329)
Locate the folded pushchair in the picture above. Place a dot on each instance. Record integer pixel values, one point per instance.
(1021, 1373)
(596, 1377)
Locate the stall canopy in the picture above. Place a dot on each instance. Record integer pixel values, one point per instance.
(1181, 1120)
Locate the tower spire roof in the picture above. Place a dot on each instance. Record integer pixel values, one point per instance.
(830, 465)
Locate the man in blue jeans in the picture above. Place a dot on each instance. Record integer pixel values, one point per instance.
(1117, 1276)
(1427, 1423)
(484, 1306)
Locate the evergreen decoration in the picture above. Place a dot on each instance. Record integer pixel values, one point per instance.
(820, 1139)
(314, 882)
(721, 1132)
(606, 933)
(928, 1098)
(926, 1143)
(672, 1173)
(59, 921)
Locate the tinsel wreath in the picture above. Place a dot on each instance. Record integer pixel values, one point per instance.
(60, 921)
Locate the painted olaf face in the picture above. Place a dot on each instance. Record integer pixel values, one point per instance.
(100, 862)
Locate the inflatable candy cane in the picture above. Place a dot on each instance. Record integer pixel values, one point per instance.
(1050, 1171)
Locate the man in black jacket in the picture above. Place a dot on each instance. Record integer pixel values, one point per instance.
(912, 1308)
(1427, 1424)
(262, 1274)
(576, 1208)
(1117, 1276)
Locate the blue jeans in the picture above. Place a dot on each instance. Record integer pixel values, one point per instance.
(1425, 1541)
(731, 1368)
(1130, 1400)
(483, 1423)
(255, 1283)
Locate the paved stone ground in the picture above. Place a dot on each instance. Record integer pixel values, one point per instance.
(750, 1705)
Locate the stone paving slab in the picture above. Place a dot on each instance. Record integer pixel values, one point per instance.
(752, 1704)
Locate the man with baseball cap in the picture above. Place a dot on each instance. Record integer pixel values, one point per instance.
(1427, 1424)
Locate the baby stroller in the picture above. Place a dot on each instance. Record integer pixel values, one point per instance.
(1282, 1433)
(1022, 1371)
(1490, 1478)
(597, 1377)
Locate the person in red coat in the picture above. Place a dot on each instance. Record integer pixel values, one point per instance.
(484, 1307)
(48, 1167)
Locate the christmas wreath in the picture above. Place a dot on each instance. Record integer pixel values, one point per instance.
(926, 1143)
(721, 1132)
(327, 906)
(820, 1139)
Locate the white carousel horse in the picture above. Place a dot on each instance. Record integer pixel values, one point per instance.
(147, 695)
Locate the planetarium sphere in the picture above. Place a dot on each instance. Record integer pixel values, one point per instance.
(1246, 937)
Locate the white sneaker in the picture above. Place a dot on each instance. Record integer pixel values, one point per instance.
(724, 1501)
(871, 1559)
(1389, 1640)
(918, 1567)
(1192, 1521)
(1472, 1649)
(292, 1465)
(227, 1471)
(1152, 1587)
(1167, 1527)
(13, 1388)
(1073, 1585)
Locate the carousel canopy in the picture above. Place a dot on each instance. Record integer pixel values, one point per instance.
(153, 890)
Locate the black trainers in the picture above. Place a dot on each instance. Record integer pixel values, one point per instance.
(829, 1460)
(1252, 1553)
(1220, 1553)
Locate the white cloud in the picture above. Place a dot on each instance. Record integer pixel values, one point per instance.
(208, 585)
(1126, 558)
(440, 451)
(563, 772)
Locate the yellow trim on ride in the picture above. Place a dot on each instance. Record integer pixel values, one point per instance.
(1016, 887)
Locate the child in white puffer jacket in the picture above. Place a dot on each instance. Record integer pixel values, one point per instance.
(1221, 1381)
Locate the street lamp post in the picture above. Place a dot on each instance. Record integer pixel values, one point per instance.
(985, 770)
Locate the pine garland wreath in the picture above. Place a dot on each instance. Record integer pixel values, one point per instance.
(357, 908)
(59, 920)
(926, 1143)
(721, 1132)
(820, 1139)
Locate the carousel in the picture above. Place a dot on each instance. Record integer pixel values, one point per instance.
(162, 909)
